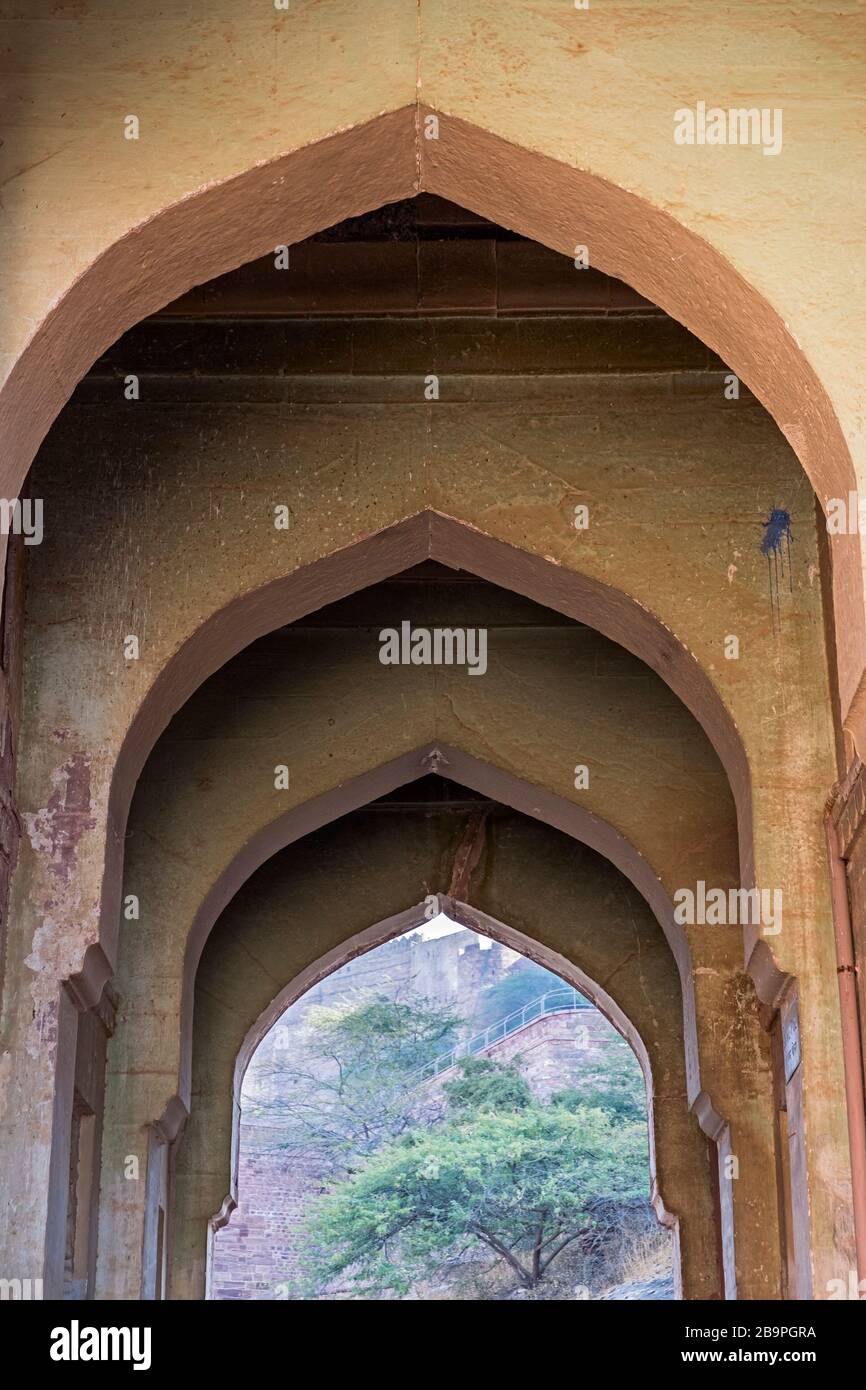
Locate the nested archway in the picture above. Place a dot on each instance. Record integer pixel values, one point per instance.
(181, 797)
(481, 158)
(720, 701)
(162, 682)
(574, 911)
(603, 598)
(235, 640)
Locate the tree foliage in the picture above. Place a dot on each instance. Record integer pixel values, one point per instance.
(523, 1185)
(616, 1086)
(350, 1090)
(484, 1086)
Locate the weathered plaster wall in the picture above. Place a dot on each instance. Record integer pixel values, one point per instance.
(11, 646)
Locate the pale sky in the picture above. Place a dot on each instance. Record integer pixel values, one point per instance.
(443, 926)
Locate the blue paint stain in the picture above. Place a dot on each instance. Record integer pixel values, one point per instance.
(777, 528)
(776, 545)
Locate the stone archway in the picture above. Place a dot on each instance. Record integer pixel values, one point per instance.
(238, 979)
(120, 1219)
(256, 836)
(346, 571)
(248, 633)
(186, 237)
(98, 960)
(502, 138)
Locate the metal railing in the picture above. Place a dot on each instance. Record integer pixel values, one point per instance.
(553, 1002)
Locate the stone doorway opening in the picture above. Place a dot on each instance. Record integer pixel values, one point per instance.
(443, 1059)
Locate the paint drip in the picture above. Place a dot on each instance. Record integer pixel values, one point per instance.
(776, 545)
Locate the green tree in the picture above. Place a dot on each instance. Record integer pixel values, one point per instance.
(486, 1086)
(524, 1186)
(348, 1089)
(615, 1086)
